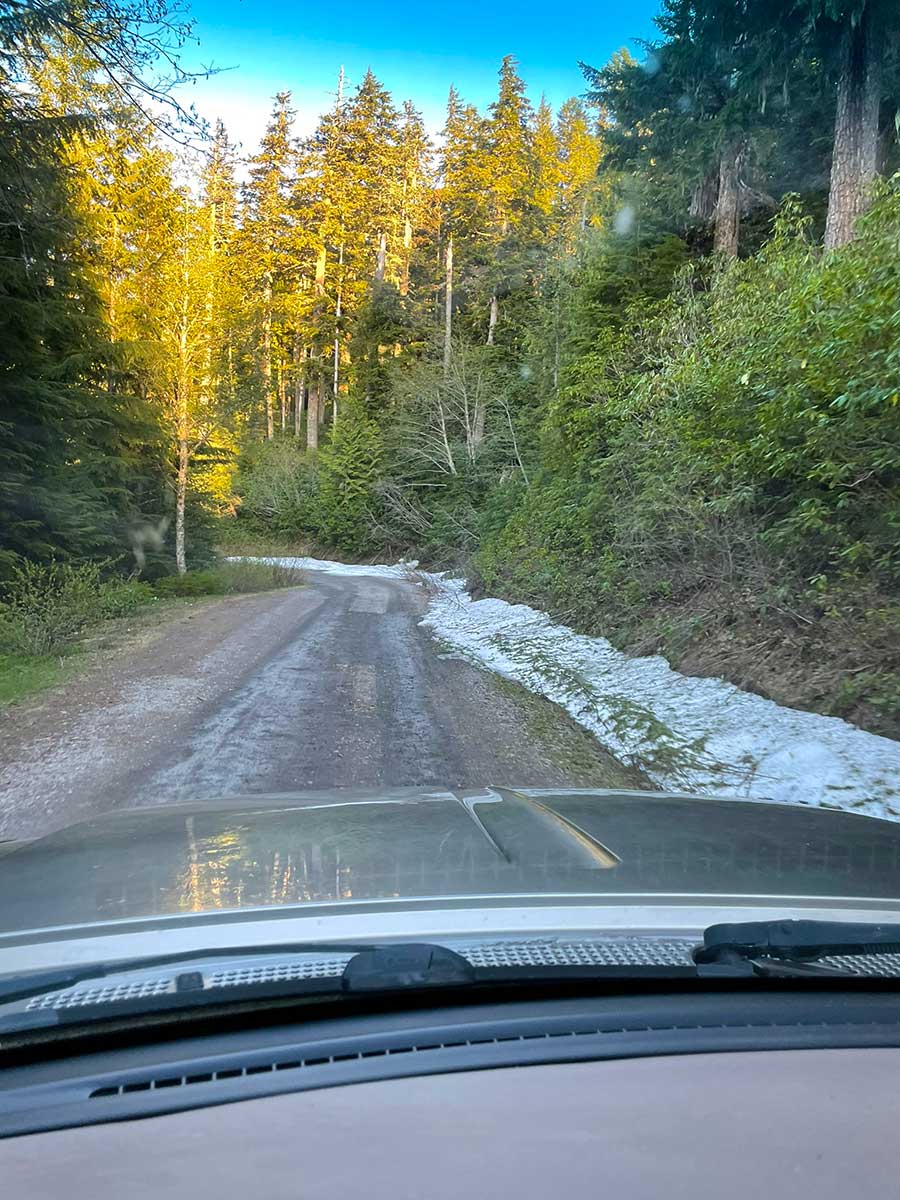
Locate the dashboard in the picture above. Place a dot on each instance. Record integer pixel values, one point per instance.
(816, 1123)
(706, 1095)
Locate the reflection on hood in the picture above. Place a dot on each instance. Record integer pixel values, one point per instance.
(338, 847)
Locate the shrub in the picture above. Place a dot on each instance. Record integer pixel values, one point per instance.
(121, 597)
(249, 576)
(46, 606)
(229, 578)
(194, 583)
(278, 483)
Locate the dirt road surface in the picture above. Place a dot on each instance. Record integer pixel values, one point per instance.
(326, 686)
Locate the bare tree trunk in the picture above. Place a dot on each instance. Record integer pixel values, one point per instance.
(407, 252)
(704, 197)
(381, 260)
(282, 396)
(180, 499)
(299, 357)
(267, 357)
(442, 419)
(478, 425)
(492, 322)
(728, 207)
(448, 307)
(312, 417)
(855, 154)
(337, 341)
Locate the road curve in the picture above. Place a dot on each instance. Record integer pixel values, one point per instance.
(331, 685)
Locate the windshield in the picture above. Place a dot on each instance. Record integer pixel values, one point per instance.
(449, 461)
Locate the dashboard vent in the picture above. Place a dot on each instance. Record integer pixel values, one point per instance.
(321, 1059)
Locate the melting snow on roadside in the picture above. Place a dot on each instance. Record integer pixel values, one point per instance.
(684, 733)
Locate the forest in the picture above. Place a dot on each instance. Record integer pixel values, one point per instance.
(635, 362)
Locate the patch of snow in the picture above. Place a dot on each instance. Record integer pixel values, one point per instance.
(400, 570)
(685, 734)
(699, 735)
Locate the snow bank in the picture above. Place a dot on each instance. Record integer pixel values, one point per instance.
(399, 571)
(700, 735)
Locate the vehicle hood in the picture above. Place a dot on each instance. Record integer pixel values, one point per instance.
(339, 848)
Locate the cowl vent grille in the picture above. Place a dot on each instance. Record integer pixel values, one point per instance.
(531, 952)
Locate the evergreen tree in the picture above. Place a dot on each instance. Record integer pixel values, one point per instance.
(546, 165)
(509, 155)
(580, 152)
(267, 240)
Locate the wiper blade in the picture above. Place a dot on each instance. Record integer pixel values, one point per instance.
(39, 983)
(798, 945)
(370, 968)
(59, 979)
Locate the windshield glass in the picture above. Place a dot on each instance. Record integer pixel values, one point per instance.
(448, 461)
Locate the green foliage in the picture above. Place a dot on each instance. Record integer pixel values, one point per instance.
(46, 607)
(742, 439)
(227, 579)
(122, 597)
(238, 577)
(77, 460)
(277, 483)
(193, 583)
(347, 503)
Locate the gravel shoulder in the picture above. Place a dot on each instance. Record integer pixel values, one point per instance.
(331, 685)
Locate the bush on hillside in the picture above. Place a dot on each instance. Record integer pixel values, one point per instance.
(228, 578)
(46, 606)
(277, 483)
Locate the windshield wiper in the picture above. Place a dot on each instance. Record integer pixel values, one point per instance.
(370, 968)
(59, 979)
(792, 947)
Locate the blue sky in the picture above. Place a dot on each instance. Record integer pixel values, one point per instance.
(416, 49)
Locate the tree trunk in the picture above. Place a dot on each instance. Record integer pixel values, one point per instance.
(492, 322)
(478, 424)
(728, 207)
(381, 260)
(267, 358)
(180, 498)
(312, 418)
(337, 340)
(407, 252)
(299, 358)
(282, 397)
(855, 154)
(704, 197)
(448, 308)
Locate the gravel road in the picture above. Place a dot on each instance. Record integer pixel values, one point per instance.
(330, 685)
